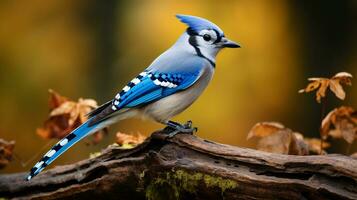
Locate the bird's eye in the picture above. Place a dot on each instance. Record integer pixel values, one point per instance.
(206, 37)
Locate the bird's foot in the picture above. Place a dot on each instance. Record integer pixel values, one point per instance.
(176, 128)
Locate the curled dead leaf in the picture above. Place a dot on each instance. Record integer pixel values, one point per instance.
(65, 115)
(340, 123)
(55, 99)
(6, 152)
(264, 129)
(335, 84)
(76, 110)
(275, 138)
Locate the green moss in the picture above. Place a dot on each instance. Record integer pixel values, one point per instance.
(142, 175)
(222, 183)
(172, 184)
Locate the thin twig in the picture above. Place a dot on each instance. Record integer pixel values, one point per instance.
(323, 110)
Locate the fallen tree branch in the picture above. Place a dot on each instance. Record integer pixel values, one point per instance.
(187, 167)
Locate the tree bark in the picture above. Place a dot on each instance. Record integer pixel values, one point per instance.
(187, 167)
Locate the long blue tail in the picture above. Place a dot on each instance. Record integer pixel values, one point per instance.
(62, 146)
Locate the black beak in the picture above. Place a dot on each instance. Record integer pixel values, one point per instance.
(229, 43)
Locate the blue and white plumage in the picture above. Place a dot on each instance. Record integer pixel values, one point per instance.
(167, 87)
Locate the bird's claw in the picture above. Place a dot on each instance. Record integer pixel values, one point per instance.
(179, 128)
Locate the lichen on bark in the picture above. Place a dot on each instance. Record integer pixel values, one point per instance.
(171, 185)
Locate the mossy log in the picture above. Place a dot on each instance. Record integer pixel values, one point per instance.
(187, 167)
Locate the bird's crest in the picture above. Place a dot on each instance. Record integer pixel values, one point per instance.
(197, 23)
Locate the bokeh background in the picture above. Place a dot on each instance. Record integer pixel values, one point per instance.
(91, 48)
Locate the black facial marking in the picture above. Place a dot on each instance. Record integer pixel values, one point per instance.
(193, 42)
(219, 38)
(191, 32)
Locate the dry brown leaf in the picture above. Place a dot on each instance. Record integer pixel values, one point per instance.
(75, 110)
(56, 127)
(6, 150)
(298, 145)
(317, 83)
(340, 123)
(354, 155)
(275, 138)
(264, 129)
(55, 99)
(125, 139)
(65, 115)
(334, 83)
(344, 77)
(314, 145)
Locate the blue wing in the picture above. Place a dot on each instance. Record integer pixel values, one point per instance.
(156, 86)
(162, 78)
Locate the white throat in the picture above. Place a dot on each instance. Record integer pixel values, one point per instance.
(209, 53)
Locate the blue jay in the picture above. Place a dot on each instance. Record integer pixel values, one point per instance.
(168, 86)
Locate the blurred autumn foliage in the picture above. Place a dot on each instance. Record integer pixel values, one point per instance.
(274, 137)
(339, 123)
(6, 152)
